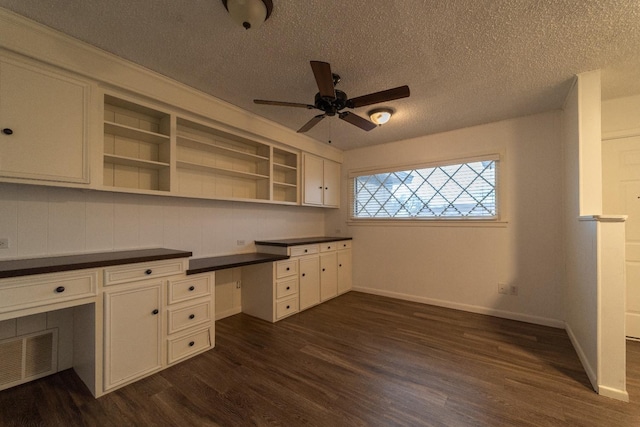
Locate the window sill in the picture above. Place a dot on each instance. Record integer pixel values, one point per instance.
(474, 223)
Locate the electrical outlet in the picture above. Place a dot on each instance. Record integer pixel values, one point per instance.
(513, 290)
(4, 243)
(240, 242)
(503, 288)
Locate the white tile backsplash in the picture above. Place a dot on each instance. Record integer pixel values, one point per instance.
(44, 221)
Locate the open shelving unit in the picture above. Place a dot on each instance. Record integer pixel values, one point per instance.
(137, 145)
(147, 150)
(212, 163)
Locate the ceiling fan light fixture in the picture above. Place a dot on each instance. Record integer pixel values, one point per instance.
(380, 116)
(249, 13)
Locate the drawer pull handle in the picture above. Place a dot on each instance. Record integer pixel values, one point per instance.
(154, 312)
(288, 269)
(7, 131)
(328, 247)
(192, 316)
(192, 343)
(339, 265)
(306, 250)
(192, 288)
(149, 271)
(288, 287)
(60, 289)
(323, 269)
(288, 307)
(303, 274)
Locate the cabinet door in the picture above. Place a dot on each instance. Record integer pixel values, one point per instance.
(47, 113)
(331, 192)
(133, 329)
(309, 281)
(328, 275)
(313, 179)
(344, 271)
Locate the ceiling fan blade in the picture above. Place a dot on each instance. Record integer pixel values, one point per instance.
(311, 123)
(376, 97)
(356, 120)
(283, 104)
(324, 79)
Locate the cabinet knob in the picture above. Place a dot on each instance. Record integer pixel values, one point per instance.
(328, 247)
(323, 269)
(149, 271)
(192, 316)
(192, 343)
(154, 312)
(192, 288)
(7, 131)
(60, 289)
(326, 188)
(320, 187)
(288, 268)
(306, 250)
(303, 274)
(339, 265)
(288, 287)
(288, 307)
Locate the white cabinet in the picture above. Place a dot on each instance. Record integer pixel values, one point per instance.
(132, 332)
(345, 269)
(270, 290)
(321, 181)
(309, 267)
(44, 123)
(328, 275)
(190, 308)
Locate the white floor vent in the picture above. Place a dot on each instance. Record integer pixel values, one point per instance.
(28, 357)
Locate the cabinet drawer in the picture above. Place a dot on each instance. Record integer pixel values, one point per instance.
(328, 246)
(286, 307)
(184, 290)
(286, 268)
(147, 270)
(181, 347)
(304, 250)
(187, 317)
(286, 287)
(344, 244)
(39, 290)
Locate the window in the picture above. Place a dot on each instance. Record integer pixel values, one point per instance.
(450, 191)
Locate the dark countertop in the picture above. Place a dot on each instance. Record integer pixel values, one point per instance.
(26, 267)
(203, 265)
(300, 241)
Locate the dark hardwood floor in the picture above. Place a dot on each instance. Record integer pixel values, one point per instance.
(358, 360)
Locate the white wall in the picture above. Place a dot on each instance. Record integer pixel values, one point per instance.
(594, 246)
(461, 267)
(51, 221)
(621, 117)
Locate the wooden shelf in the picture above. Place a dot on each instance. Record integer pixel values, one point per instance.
(285, 167)
(134, 133)
(137, 163)
(284, 184)
(222, 171)
(209, 146)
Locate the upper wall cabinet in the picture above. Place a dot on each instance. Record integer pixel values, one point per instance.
(136, 146)
(321, 181)
(43, 122)
(151, 150)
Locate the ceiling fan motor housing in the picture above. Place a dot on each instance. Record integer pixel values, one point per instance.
(331, 106)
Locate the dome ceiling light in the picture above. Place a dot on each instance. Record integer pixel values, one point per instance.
(249, 13)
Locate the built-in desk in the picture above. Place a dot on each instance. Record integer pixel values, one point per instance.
(202, 265)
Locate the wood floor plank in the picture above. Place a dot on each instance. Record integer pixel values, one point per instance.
(357, 360)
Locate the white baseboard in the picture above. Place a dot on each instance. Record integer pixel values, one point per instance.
(228, 313)
(591, 373)
(613, 393)
(544, 321)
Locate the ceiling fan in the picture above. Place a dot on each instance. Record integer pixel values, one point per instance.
(332, 101)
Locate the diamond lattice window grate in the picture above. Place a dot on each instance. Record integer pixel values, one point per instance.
(465, 190)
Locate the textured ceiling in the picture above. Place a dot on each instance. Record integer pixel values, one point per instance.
(466, 62)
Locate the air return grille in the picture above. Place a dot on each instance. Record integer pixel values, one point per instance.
(28, 357)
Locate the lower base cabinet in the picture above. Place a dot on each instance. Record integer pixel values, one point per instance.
(154, 323)
(133, 333)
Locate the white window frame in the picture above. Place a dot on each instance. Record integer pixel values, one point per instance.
(499, 220)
